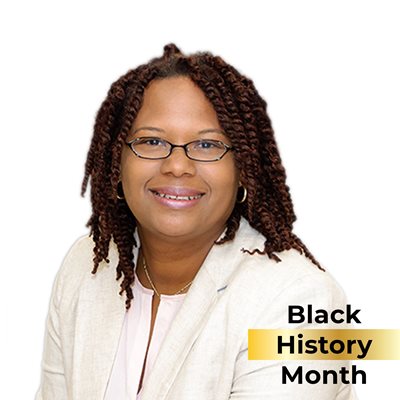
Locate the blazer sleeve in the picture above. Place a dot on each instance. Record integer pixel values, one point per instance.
(262, 379)
(53, 384)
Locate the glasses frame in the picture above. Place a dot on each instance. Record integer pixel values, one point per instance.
(173, 146)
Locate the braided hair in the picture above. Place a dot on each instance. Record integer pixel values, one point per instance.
(243, 117)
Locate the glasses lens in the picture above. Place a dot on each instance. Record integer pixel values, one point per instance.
(206, 150)
(151, 147)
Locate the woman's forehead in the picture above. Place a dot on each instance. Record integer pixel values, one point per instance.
(175, 93)
(176, 103)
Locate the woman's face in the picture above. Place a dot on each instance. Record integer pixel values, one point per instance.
(175, 109)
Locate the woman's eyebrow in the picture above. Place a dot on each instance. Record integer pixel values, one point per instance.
(148, 128)
(212, 130)
(153, 128)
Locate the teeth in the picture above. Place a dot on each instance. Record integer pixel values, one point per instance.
(169, 196)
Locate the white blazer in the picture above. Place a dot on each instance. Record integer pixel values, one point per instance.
(204, 355)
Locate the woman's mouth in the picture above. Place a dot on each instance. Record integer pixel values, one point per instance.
(177, 197)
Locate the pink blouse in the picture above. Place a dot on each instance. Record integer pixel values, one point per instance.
(128, 364)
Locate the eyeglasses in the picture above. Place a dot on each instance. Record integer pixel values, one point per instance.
(155, 148)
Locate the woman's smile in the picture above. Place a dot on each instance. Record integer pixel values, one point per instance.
(176, 197)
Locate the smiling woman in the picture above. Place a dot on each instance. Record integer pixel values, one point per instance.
(192, 216)
(178, 110)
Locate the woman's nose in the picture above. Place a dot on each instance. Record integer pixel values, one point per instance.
(178, 163)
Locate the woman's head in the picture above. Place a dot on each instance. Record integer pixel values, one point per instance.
(178, 196)
(178, 97)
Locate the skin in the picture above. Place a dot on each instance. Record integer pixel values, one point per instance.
(175, 242)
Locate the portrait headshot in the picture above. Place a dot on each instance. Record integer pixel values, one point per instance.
(200, 201)
(190, 245)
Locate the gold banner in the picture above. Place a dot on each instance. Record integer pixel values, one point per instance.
(324, 344)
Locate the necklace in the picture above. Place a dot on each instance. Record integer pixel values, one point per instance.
(153, 286)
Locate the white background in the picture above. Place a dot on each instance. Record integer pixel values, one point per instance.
(330, 74)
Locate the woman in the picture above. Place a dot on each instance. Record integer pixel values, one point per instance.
(192, 216)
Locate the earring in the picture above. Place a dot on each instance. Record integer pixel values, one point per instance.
(120, 191)
(244, 195)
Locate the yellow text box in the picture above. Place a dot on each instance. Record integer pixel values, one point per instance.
(324, 344)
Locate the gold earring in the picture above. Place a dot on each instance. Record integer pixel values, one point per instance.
(244, 196)
(120, 191)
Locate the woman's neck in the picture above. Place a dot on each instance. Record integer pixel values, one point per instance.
(172, 262)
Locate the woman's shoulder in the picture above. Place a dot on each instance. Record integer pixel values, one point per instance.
(78, 264)
(291, 267)
(295, 279)
(261, 273)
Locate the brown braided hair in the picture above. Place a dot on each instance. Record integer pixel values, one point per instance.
(242, 115)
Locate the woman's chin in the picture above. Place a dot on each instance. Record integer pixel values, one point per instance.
(175, 227)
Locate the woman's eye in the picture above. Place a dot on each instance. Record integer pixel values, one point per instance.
(207, 145)
(153, 142)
